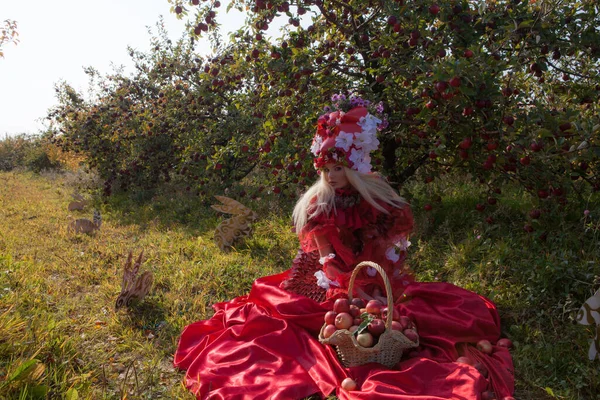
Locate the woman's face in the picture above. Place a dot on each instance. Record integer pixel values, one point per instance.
(335, 175)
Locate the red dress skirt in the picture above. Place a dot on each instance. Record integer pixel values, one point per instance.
(264, 346)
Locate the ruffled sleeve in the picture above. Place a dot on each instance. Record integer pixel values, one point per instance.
(325, 229)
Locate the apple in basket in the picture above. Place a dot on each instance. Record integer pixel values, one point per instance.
(328, 331)
(341, 306)
(343, 320)
(374, 307)
(365, 339)
(330, 317)
(376, 327)
(358, 302)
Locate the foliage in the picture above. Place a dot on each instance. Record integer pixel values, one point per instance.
(28, 151)
(503, 91)
(57, 292)
(8, 34)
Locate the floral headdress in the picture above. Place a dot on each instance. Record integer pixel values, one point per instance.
(347, 133)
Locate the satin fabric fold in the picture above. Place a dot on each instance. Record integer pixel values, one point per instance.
(264, 346)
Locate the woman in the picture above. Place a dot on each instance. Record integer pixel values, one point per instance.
(264, 345)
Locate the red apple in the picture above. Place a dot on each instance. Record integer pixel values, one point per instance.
(468, 53)
(376, 327)
(481, 368)
(484, 346)
(427, 207)
(353, 328)
(434, 9)
(328, 331)
(411, 334)
(405, 322)
(397, 326)
(341, 306)
(343, 320)
(488, 395)
(455, 82)
(330, 317)
(349, 384)
(357, 301)
(365, 339)
(354, 310)
(395, 313)
(504, 342)
(374, 307)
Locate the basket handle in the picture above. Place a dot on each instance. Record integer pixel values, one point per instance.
(386, 282)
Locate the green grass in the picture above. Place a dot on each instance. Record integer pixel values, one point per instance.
(60, 336)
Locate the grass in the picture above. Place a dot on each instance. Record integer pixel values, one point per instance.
(60, 336)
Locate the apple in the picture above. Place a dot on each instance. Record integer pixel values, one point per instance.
(341, 306)
(395, 313)
(374, 307)
(354, 310)
(525, 160)
(349, 384)
(488, 395)
(365, 339)
(397, 326)
(468, 53)
(465, 360)
(434, 9)
(481, 368)
(328, 331)
(330, 317)
(376, 327)
(534, 214)
(455, 82)
(504, 342)
(427, 207)
(343, 320)
(357, 301)
(405, 322)
(484, 346)
(411, 334)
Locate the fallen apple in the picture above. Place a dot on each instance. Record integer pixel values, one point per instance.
(349, 384)
(504, 342)
(411, 334)
(465, 360)
(484, 346)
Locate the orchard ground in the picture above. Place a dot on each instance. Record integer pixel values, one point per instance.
(60, 336)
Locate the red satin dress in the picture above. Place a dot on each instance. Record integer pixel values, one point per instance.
(264, 345)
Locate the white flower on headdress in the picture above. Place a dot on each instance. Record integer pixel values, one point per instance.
(369, 123)
(344, 140)
(367, 141)
(361, 161)
(391, 254)
(316, 145)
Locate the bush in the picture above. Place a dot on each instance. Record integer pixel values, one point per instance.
(26, 151)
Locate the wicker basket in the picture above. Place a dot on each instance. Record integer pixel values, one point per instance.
(391, 344)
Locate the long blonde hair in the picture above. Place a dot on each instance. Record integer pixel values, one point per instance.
(371, 187)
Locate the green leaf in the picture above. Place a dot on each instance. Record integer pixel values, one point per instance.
(72, 394)
(23, 370)
(366, 318)
(544, 133)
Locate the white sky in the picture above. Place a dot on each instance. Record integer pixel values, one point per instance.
(60, 37)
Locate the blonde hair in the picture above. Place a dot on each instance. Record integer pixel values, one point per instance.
(371, 187)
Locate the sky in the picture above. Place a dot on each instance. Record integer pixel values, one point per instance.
(58, 38)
